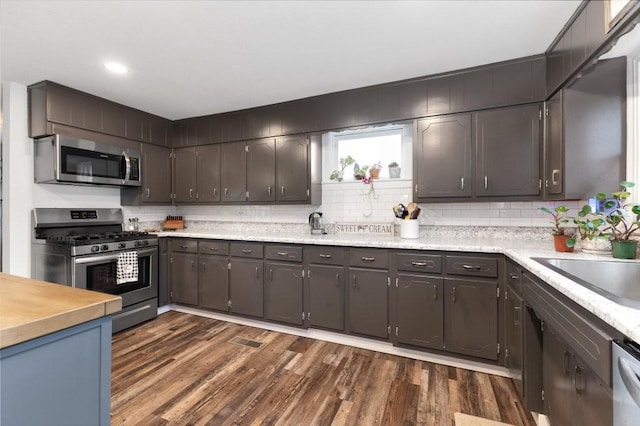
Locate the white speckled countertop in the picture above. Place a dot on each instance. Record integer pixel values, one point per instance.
(624, 319)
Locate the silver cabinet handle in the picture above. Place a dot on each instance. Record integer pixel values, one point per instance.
(546, 183)
(517, 315)
(565, 363)
(283, 253)
(190, 192)
(461, 184)
(486, 182)
(514, 276)
(270, 274)
(246, 251)
(257, 272)
(215, 192)
(355, 281)
(472, 267)
(453, 294)
(326, 256)
(555, 174)
(337, 280)
(269, 190)
(419, 264)
(148, 192)
(204, 267)
(578, 377)
(226, 192)
(214, 248)
(416, 190)
(193, 263)
(184, 247)
(368, 259)
(282, 190)
(435, 292)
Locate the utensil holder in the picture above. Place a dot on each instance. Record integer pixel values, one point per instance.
(409, 228)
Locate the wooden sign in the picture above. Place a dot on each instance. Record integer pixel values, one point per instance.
(364, 228)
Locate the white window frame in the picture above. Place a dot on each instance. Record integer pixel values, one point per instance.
(330, 160)
(633, 121)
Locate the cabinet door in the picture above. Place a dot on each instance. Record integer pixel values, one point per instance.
(556, 380)
(261, 170)
(233, 172)
(292, 168)
(184, 278)
(158, 130)
(554, 146)
(245, 287)
(508, 151)
(443, 155)
(208, 173)
(471, 317)
(213, 283)
(156, 174)
(594, 398)
(368, 302)
(326, 296)
(283, 292)
(514, 336)
(113, 119)
(420, 311)
(65, 106)
(185, 175)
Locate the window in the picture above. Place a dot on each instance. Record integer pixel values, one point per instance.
(383, 145)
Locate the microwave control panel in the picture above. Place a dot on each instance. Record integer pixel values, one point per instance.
(135, 169)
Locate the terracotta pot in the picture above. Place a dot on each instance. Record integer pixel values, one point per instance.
(374, 173)
(624, 249)
(560, 243)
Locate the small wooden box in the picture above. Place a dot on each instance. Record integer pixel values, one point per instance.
(174, 224)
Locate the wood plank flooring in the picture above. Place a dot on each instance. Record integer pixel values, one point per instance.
(180, 369)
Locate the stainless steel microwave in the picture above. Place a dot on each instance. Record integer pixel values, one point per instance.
(64, 159)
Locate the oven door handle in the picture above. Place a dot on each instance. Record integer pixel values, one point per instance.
(98, 259)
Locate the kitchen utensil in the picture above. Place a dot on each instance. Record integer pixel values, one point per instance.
(415, 213)
(315, 222)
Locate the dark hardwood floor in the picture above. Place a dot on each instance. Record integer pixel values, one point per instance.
(180, 369)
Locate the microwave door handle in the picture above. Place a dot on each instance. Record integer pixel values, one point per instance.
(127, 162)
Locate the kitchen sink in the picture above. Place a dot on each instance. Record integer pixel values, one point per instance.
(617, 281)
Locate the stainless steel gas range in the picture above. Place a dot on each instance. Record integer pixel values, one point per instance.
(87, 248)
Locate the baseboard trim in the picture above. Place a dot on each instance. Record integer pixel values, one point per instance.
(344, 339)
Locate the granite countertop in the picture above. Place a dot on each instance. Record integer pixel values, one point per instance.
(31, 308)
(624, 319)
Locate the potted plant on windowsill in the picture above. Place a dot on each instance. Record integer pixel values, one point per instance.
(344, 163)
(591, 231)
(374, 171)
(359, 172)
(622, 218)
(561, 240)
(394, 170)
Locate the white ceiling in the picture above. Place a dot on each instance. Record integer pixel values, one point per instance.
(191, 58)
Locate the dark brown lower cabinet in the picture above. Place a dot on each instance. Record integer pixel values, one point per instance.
(368, 304)
(245, 287)
(573, 393)
(283, 292)
(213, 283)
(420, 311)
(471, 317)
(514, 336)
(184, 278)
(325, 295)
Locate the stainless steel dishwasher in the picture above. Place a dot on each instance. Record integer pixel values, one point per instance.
(626, 383)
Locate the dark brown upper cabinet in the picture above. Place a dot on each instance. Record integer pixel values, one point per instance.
(443, 153)
(208, 173)
(185, 175)
(233, 172)
(585, 130)
(508, 151)
(156, 178)
(261, 171)
(292, 169)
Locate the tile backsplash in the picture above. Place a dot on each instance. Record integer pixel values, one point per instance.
(355, 202)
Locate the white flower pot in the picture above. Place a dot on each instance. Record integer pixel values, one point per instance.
(597, 245)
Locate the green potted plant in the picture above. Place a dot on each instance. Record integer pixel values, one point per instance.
(374, 171)
(622, 220)
(344, 163)
(591, 231)
(359, 172)
(394, 170)
(561, 240)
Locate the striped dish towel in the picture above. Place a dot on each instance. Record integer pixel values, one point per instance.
(127, 267)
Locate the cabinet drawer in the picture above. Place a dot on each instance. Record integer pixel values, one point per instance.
(514, 277)
(431, 263)
(473, 266)
(325, 255)
(285, 253)
(183, 245)
(253, 250)
(368, 258)
(586, 339)
(220, 248)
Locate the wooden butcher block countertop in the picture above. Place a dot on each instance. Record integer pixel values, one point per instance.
(31, 308)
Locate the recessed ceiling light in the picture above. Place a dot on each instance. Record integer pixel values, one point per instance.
(116, 68)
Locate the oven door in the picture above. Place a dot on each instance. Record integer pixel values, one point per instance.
(98, 272)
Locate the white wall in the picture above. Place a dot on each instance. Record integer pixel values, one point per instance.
(21, 194)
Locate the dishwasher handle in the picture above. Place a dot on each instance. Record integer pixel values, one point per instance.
(630, 378)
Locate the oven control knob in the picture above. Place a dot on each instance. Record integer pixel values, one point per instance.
(145, 243)
(121, 245)
(104, 247)
(138, 244)
(95, 249)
